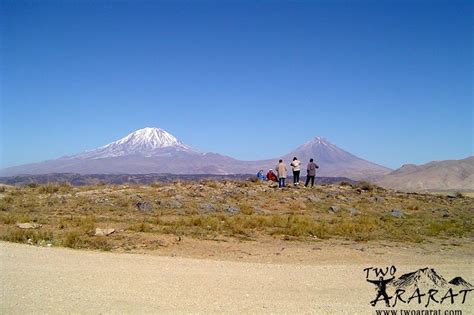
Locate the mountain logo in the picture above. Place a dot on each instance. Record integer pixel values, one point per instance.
(424, 287)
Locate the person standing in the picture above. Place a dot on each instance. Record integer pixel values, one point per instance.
(296, 167)
(311, 172)
(281, 171)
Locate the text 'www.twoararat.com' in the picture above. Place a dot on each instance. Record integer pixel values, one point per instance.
(417, 312)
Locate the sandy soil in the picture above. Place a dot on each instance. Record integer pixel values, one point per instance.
(313, 252)
(286, 277)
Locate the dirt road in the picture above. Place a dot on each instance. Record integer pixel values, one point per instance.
(57, 280)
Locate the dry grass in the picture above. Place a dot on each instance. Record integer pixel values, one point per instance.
(69, 215)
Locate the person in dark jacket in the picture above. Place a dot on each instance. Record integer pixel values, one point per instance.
(311, 172)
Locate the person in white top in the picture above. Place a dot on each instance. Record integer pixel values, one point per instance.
(296, 167)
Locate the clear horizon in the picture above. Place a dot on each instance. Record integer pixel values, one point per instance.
(388, 82)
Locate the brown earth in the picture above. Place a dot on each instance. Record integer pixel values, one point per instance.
(329, 279)
(221, 247)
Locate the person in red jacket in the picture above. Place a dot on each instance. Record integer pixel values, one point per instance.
(271, 176)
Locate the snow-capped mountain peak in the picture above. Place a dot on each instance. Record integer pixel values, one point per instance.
(318, 142)
(146, 142)
(148, 138)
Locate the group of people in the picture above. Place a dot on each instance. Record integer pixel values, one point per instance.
(281, 171)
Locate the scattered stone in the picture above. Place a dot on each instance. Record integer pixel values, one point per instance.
(171, 191)
(196, 195)
(379, 199)
(397, 213)
(103, 232)
(231, 209)
(272, 184)
(353, 211)
(301, 205)
(251, 193)
(444, 211)
(313, 198)
(261, 211)
(28, 226)
(180, 212)
(217, 199)
(175, 204)
(331, 194)
(334, 209)
(144, 206)
(340, 197)
(207, 208)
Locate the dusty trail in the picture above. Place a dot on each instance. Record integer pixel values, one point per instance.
(57, 280)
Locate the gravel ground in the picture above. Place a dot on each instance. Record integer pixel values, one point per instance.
(57, 280)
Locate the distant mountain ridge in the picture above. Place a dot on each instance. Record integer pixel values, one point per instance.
(144, 179)
(153, 150)
(433, 176)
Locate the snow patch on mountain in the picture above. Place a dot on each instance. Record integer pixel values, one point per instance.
(145, 142)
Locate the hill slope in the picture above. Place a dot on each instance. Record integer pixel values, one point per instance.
(434, 176)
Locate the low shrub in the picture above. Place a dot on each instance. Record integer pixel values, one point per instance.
(48, 189)
(17, 235)
(141, 227)
(73, 239)
(363, 185)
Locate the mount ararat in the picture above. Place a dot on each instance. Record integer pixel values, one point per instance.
(153, 150)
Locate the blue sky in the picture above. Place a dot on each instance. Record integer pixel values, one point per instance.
(388, 81)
